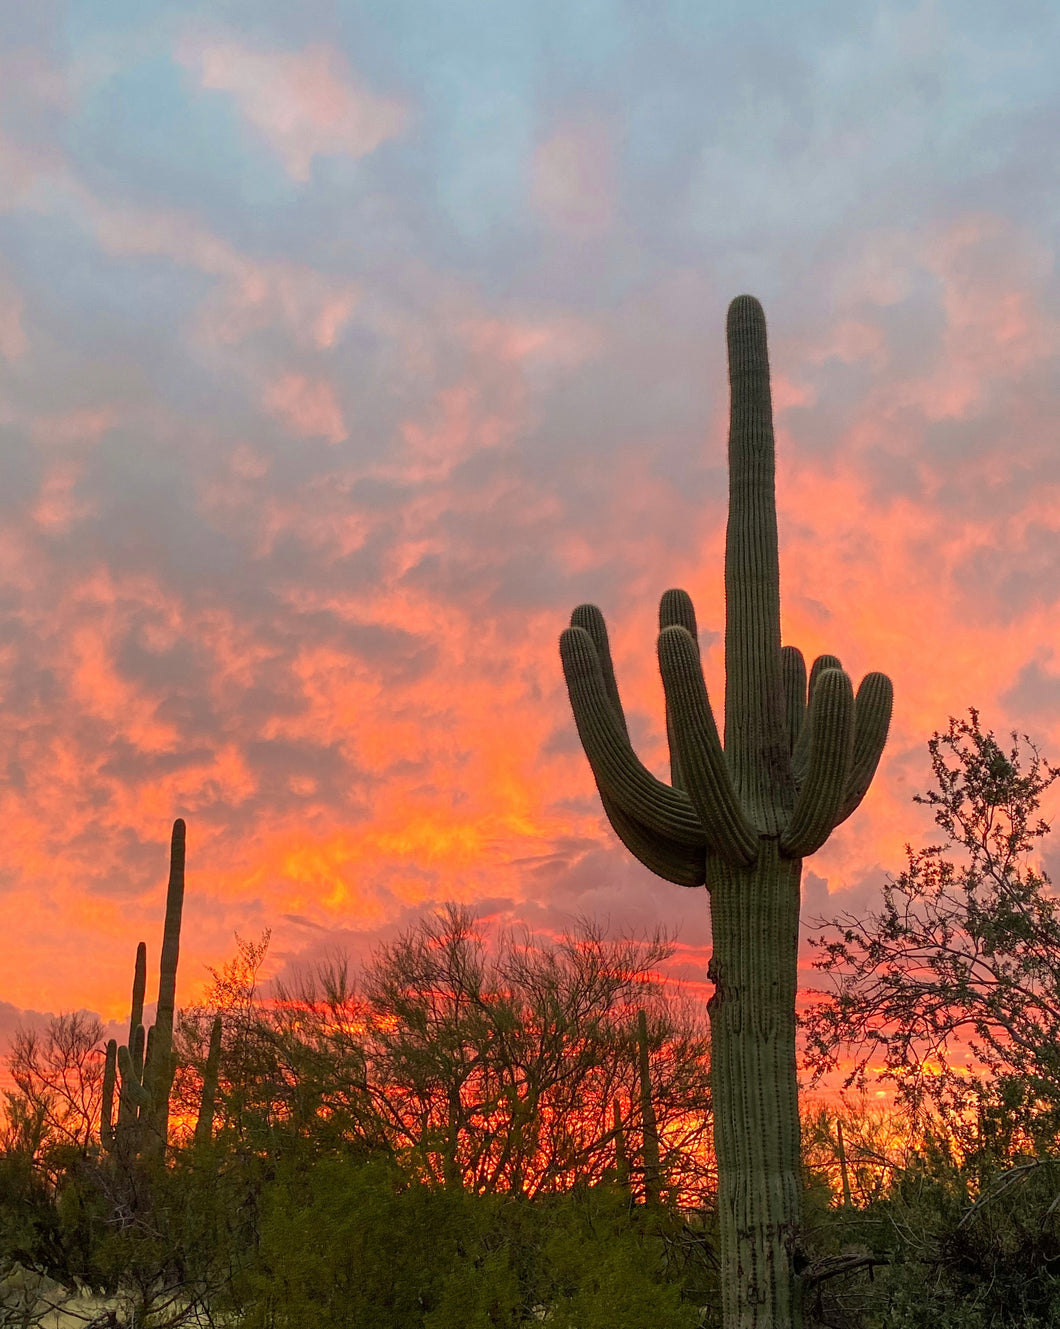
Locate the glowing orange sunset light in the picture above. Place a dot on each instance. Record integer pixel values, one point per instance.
(335, 367)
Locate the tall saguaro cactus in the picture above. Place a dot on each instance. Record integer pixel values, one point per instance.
(146, 1076)
(797, 760)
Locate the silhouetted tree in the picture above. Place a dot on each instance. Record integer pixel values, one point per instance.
(964, 952)
(58, 1078)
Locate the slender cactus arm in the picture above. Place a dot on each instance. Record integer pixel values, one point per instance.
(131, 1088)
(619, 774)
(592, 620)
(800, 757)
(830, 723)
(136, 1010)
(818, 667)
(872, 719)
(684, 865)
(676, 610)
(127, 1104)
(137, 1049)
(150, 1054)
(106, 1117)
(702, 760)
(793, 668)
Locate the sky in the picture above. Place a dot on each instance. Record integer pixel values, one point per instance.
(346, 347)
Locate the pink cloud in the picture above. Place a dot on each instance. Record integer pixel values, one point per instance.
(572, 183)
(58, 508)
(304, 104)
(251, 294)
(562, 342)
(308, 407)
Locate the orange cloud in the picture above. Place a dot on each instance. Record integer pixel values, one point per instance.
(363, 711)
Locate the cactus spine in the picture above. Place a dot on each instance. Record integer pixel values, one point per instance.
(146, 1076)
(798, 758)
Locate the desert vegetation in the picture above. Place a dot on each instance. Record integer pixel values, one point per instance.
(486, 1128)
(482, 1127)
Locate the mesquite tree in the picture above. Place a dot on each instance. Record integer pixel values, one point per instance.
(962, 953)
(797, 760)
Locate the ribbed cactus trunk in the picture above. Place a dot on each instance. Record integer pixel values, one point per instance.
(798, 758)
(755, 923)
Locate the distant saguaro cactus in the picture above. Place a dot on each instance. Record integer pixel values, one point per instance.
(204, 1121)
(146, 1077)
(797, 760)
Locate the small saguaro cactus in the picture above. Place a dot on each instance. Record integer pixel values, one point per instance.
(204, 1121)
(621, 1158)
(797, 760)
(144, 1066)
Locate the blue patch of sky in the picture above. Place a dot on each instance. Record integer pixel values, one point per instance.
(150, 133)
(748, 138)
(80, 296)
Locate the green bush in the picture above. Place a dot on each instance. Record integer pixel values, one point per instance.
(354, 1244)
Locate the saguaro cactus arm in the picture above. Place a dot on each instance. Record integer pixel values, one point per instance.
(830, 722)
(128, 1105)
(872, 719)
(676, 611)
(589, 618)
(132, 1091)
(793, 668)
(672, 857)
(139, 988)
(684, 865)
(106, 1115)
(800, 757)
(700, 755)
(137, 1050)
(618, 771)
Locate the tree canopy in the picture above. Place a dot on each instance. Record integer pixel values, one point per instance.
(963, 953)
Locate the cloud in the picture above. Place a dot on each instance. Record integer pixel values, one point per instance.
(308, 407)
(12, 333)
(572, 178)
(252, 293)
(304, 104)
(301, 483)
